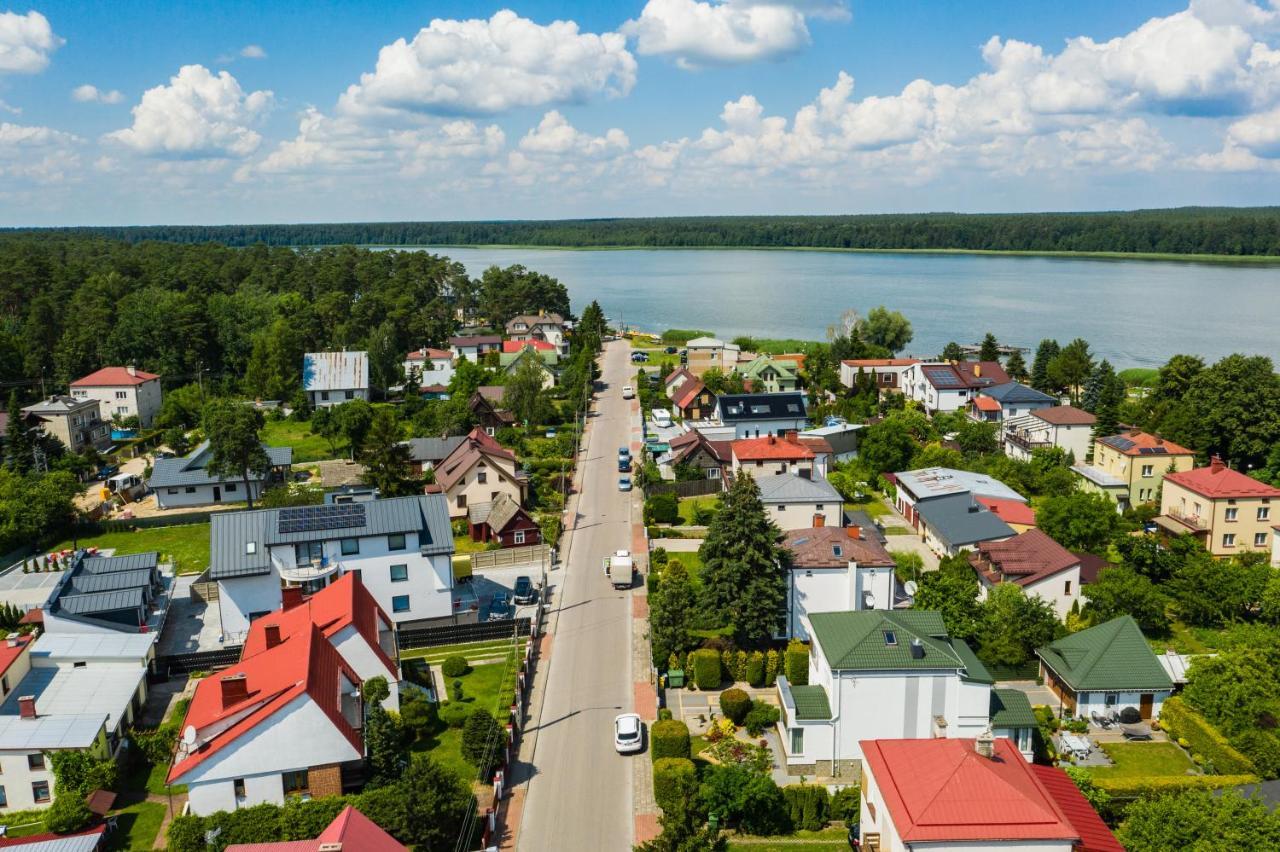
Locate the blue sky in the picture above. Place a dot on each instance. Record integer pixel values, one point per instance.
(201, 112)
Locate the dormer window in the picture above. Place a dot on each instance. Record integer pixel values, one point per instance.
(890, 638)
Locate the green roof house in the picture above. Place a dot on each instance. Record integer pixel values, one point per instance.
(547, 361)
(769, 375)
(881, 674)
(1105, 669)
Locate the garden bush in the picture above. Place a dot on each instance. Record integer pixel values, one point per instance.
(669, 738)
(797, 663)
(772, 662)
(658, 557)
(482, 738)
(755, 669)
(454, 713)
(726, 664)
(1203, 738)
(67, 813)
(455, 666)
(706, 668)
(807, 806)
(1263, 750)
(662, 509)
(846, 804)
(735, 704)
(1156, 785)
(675, 782)
(740, 666)
(761, 716)
(664, 714)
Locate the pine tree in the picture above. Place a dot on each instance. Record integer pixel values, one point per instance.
(1016, 367)
(19, 446)
(990, 350)
(743, 581)
(385, 456)
(1045, 352)
(388, 756)
(1104, 393)
(671, 612)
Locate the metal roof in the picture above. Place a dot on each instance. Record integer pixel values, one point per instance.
(741, 407)
(113, 564)
(1113, 656)
(789, 488)
(133, 647)
(1099, 477)
(433, 449)
(87, 583)
(66, 690)
(811, 703)
(959, 519)
(85, 841)
(1017, 392)
(879, 640)
(100, 602)
(49, 732)
(323, 371)
(928, 482)
(1010, 708)
(192, 468)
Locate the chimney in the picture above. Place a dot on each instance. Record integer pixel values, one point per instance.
(1216, 464)
(773, 440)
(235, 688)
(854, 532)
(290, 596)
(793, 437)
(1159, 441)
(917, 649)
(273, 635)
(132, 370)
(1133, 433)
(985, 745)
(27, 706)
(977, 369)
(12, 639)
(819, 520)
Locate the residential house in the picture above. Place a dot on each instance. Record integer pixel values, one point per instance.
(1034, 561)
(834, 569)
(692, 400)
(1013, 719)
(187, 481)
(949, 525)
(349, 617)
(795, 502)
(675, 379)
(957, 795)
(841, 437)
(77, 423)
(474, 347)
(823, 453)
(773, 454)
(709, 353)
(332, 378)
(122, 392)
(885, 372)
(999, 403)
(426, 453)
(402, 547)
(108, 595)
(693, 448)
(503, 522)
(350, 830)
(1228, 511)
(429, 368)
(1105, 669)
(755, 414)
(1016, 513)
(770, 375)
(486, 406)
(1129, 467)
(541, 327)
(477, 471)
(89, 840)
(916, 487)
(284, 722)
(879, 674)
(545, 360)
(1063, 426)
(946, 386)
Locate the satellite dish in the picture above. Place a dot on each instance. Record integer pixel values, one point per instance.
(868, 600)
(910, 588)
(189, 735)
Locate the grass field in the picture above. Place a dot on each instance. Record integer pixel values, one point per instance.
(692, 563)
(873, 508)
(711, 501)
(470, 650)
(138, 825)
(306, 446)
(1134, 760)
(834, 837)
(188, 544)
(491, 687)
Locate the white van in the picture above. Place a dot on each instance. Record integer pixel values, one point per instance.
(661, 417)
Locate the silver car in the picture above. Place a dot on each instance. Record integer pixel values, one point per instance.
(628, 733)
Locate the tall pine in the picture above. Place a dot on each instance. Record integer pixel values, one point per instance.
(743, 575)
(1104, 393)
(672, 610)
(19, 447)
(1016, 367)
(1045, 352)
(990, 349)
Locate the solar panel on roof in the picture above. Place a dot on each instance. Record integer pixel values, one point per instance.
(327, 517)
(1153, 451)
(1120, 443)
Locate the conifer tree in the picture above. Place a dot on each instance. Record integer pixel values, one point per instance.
(1016, 367)
(1045, 352)
(990, 350)
(18, 443)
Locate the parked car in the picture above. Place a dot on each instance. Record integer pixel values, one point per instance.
(639, 357)
(624, 452)
(628, 392)
(524, 592)
(628, 733)
(670, 350)
(624, 483)
(624, 464)
(499, 607)
(107, 471)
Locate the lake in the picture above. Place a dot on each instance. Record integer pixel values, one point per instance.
(1136, 313)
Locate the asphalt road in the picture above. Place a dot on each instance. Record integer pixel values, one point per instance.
(580, 797)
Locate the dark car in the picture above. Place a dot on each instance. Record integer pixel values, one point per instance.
(524, 591)
(639, 357)
(670, 350)
(624, 464)
(499, 607)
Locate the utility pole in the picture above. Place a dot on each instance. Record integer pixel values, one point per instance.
(200, 379)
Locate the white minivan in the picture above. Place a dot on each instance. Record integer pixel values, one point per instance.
(661, 417)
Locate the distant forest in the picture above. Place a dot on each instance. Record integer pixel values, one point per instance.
(1189, 230)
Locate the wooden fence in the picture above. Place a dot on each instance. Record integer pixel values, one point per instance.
(510, 557)
(198, 661)
(690, 488)
(456, 633)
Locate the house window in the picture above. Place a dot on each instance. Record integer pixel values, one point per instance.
(482, 477)
(4, 685)
(518, 538)
(1260, 539)
(35, 761)
(713, 473)
(462, 501)
(4, 800)
(1264, 513)
(1230, 514)
(400, 603)
(351, 394)
(797, 740)
(488, 430)
(251, 547)
(1228, 539)
(782, 508)
(191, 489)
(890, 638)
(324, 395)
(1066, 587)
(1024, 739)
(295, 783)
(122, 394)
(759, 462)
(171, 491)
(308, 551)
(1147, 471)
(40, 791)
(350, 546)
(395, 542)
(818, 507)
(238, 787)
(399, 573)
(229, 487)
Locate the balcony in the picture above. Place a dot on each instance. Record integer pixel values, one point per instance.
(305, 572)
(1018, 439)
(1195, 522)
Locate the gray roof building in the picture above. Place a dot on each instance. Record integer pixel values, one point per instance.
(113, 593)
(432, 451)
(789, 488)
(959, 520)
(1012, 392)
(192, 469)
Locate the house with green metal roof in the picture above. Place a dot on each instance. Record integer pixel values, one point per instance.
(1013, 719)
(1104, 670)
(880, 674)
(547, 362)
(769, 375)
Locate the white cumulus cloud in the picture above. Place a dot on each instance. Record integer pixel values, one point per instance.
(198, 115)
(253, 51)
(26, 42)
(555, 135)
(89, 93)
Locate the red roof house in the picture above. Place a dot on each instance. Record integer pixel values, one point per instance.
(513, 346)
(1094, 834)
(1034, 561)
(350, 831)
(115, 377)
(1015, 513)
(693, 400)
(1219, 481)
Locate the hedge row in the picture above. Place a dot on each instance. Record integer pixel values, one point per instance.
(807, 805)
(1205, 740)
(669, 738)
(1142, 786)
(675, 780)
(706, 668)
(797, 664)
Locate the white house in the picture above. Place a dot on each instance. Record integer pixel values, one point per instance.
(885, 372)
(999, 403)
(943, 386)
(915, 487)
(1063, 426)
(474, 347)
(796, 502)
(1034, 561)
(186, 481)
(544, 326)
(402, 547)
(429, 367)
(834, 569)
(1105, 669)
(773, 454)
(284, 722)
(753, 415)
(332, 378)
(879, 674)
(122, 392)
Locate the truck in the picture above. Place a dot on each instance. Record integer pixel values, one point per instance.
(620, 569)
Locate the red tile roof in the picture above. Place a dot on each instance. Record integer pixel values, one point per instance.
(113, 377)
(1024, 559)
(1217, 480)
(687, 393)
(510, 346)
(1134, 442)
(352, 829)
(433, 354)
(1065, 415)
(1010, 511)
(817, 443)
(677, 373)
(985, 403)
(1094, 834)
(880, 362)
(769, 447)
(464, 456)
(9, 655)
(940, 790)
(306, 664)
(815, 548)
(342, 603)
(981, 373)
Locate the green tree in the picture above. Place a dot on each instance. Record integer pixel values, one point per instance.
(67, 814)
(482, 740)
(1104, 393)
(952, 352)
(1231, 409)
(953, 591)
(1208, 593)
(743, 579)
(890, 445)
(1040, 378)
(719, 382)
(19, 447)
(1199, 821)
(990, 349)
(1155, 557)
(886, 328)
(505, 293)
(385, 741)
(354, 419)
(1122, 591)
(1236, 689)
(524, 392)
(1016, 367)
(1014, 624)
(1071, 367)
(231, 428)
(386, 457)
(1080, 520)
(436, 805)
(977, 439)
(672, 610)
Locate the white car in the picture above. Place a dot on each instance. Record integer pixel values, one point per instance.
(628, 392)
(628, 734)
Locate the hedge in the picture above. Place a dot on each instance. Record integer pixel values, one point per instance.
(669, 738)
(1142, 786)
(706, 668)
(807, 805)
(755, 669)
(735, 704)
(675, 780)
(846, 804)
(455, 666)
(662, 509)
(1184, 723)
(1262, 749)
(796, 666)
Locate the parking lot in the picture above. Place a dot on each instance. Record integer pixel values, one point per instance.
(483, 585)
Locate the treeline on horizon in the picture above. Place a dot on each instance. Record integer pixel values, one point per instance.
(1225, 231)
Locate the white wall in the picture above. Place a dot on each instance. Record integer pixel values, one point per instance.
(202, 495)
(835, 590)
(761, 428)
(142, 401)
(435, 371)
(483, 492)
(240, 596)
(799, 516)
(337, 397)
(364, 660)
(16, 777)
(1088, 702)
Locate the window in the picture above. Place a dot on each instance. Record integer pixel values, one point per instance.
(818, 507)
(482, 477)
(890, 638)
(171, 491)
(122, 394)
(229, 487)
(35, 761)
(1228, 539)
(238, 786)
(1260, 539)
(308, 551)
(488, 430)
(396, 542)
(80, 664)
(190, 489)
(350, 546)
(4, 685)
(797, 740)
(782, 468)
(1231, 513)
(1264, 513)
(351, 394)
(759, 462)
(4, 800)
(782, 508)
(462, 501)
(40, 791)
(1147, 471)
(837, 551)
(399, 573)
(1111, 699)
(295, 783)
(518, 538)
(324, 395)
(400, 603)
(1066, 587)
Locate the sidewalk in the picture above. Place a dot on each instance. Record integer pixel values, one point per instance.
(643, 685)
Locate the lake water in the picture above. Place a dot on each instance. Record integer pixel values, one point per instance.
(1136, 313)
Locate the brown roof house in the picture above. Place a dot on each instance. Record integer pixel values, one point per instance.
(693, 400)
(713, 458)
(835, 569)
(486, 405)
(1034, 561)
(503, 521)
(477, 471)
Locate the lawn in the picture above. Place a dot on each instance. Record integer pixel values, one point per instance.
(470, 650)
(186, 543)
(138, 826)
(490, 686)
(834, 837)
(464, 544)
(1135, 760)
(1186, 640)
(691, 562)
(873, 508)
(306, 446)
(898, 531)
(711, 501)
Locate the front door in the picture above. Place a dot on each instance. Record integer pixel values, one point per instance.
(1144, 705)
(217, 494)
